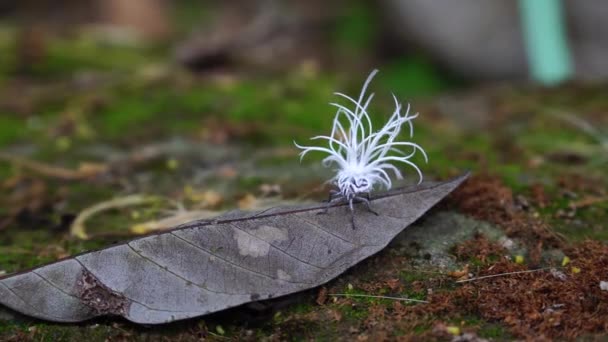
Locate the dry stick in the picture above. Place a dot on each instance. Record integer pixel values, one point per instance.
(217, 335)
(586, 127)
(181, 216)
(423, 271)
(504, 274)
(48, 170)
(585, 202)
(380, 297)
(77, 229)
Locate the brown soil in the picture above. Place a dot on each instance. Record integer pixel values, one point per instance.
(564, 302)
(559, 303)
(487, 198)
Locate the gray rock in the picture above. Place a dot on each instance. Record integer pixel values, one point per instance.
(478, 39)
(588, 30)
(484, 39)
(431, 239)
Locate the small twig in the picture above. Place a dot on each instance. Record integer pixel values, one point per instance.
(78, 229)
(379, 297)
(217, 335)
(586, 127)
(180, 217)
(85, 171)
(583, 125)
(505, 274)
(424, 271)
(585, 202)
(14, 250)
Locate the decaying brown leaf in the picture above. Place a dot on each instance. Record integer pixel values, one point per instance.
(210, 265)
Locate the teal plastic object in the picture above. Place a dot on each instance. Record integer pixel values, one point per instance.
(546, 40)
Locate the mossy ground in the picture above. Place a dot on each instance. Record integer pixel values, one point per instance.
(556, 173)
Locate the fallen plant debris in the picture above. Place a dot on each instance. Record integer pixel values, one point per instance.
(479, 248)
(539, 304)
(552, 269)
(487, 198)
(354, 295)
(78, 228)
(587, 201)
(25, 199)
(587, 128)
(85, 170)
(247, 257)
(178, 218)
(562, 301)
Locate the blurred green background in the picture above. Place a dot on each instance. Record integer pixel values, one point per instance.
(195, 105)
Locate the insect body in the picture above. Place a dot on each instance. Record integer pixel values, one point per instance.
(364, 157)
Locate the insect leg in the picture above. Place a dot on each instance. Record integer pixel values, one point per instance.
(367, 203)
(333, 196)
(352, 213)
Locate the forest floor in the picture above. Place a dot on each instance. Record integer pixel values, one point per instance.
(162, 146)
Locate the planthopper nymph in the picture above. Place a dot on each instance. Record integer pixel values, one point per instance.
(364, 157)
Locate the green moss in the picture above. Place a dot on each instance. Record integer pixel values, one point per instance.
(355, 312)
(11, 129)
(301, 308)
(67, 56)
(422, 328)
(126, 115)
(585, 223)
(414, 76)
(493, 331)
(187, 14)
(408, 277)
(55, 332)
(356, 27)
(279, 115)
